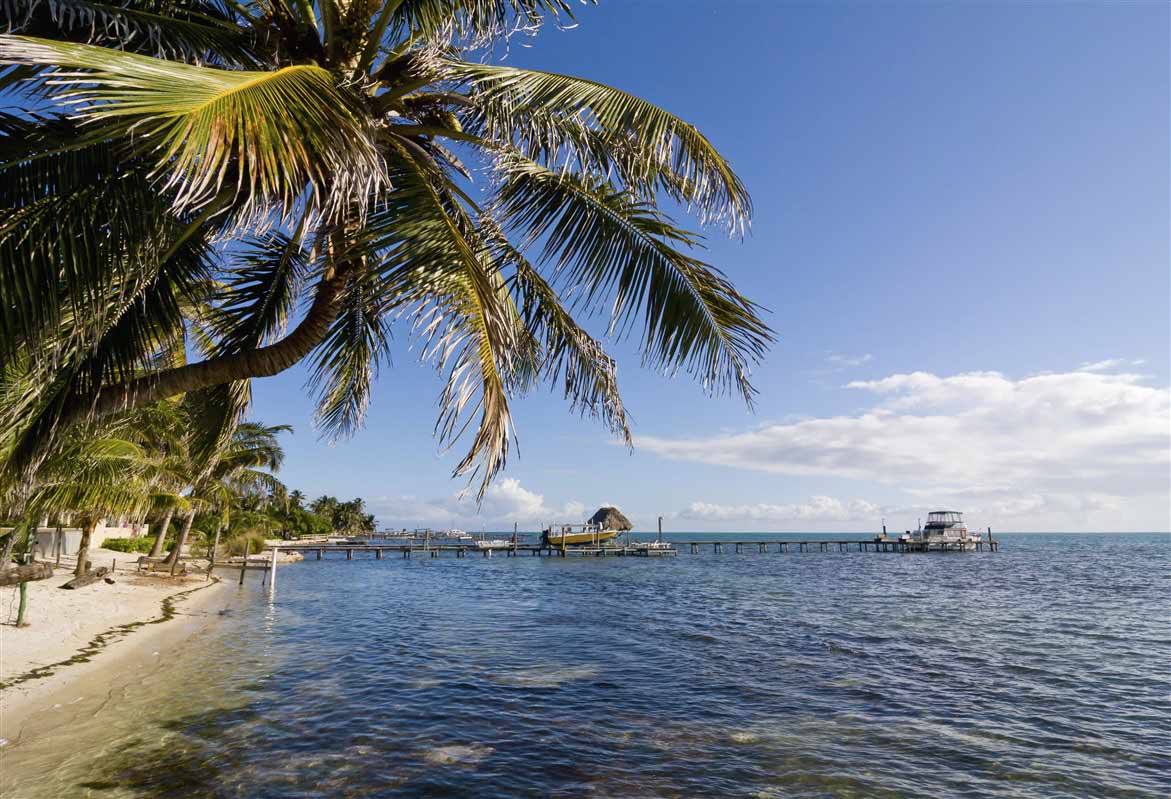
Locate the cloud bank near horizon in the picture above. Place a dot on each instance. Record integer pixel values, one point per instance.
(1088, 449)
(1074, 450)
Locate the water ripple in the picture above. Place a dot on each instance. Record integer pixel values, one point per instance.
(1040, 671)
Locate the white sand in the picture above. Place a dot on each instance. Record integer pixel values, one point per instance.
(61, 623)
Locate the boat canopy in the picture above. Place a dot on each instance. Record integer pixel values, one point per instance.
(945, 517)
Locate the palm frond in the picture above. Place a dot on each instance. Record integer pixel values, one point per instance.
(549, 111)
(570, 356)
(183, 30)
(77, 221)
(438, 271)
(279, 136)
(605, 243)
(475, 23)
(258, 295)
(138, 322)
(346, 364)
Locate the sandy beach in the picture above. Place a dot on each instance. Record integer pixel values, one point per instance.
(73, 635)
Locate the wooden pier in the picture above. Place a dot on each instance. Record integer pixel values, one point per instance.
(380, 551)
(860, 545)
(463, 550)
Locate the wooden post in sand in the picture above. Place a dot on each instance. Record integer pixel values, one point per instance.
(214, 546)
(244, 565)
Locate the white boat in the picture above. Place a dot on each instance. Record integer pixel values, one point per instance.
(495, 543)
(945, 531)
(455, 534)
(652, 545)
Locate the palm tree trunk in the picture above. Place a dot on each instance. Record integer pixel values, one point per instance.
(87, 530)
(173, 558)
(214, 546)
(9, 545)
(260, 362)
(157, 548)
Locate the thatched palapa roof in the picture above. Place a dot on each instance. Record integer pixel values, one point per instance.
(611, 519)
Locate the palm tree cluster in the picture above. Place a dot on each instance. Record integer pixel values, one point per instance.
(158, 462)
(348, 518)
(194, 193)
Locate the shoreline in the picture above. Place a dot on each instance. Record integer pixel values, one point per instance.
(80, 640)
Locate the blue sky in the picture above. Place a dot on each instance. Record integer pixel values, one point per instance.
(961, 234)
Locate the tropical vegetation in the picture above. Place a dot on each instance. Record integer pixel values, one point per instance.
(194, 193)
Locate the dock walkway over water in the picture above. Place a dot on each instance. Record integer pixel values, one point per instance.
(845, 545)
(461, 550)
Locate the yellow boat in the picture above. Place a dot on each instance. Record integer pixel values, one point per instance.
(576, 535)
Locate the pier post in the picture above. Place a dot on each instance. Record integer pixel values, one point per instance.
(244, 565)
(272, 574)
(738, 549)
(378, 554)
(349, 554)
(320, 554)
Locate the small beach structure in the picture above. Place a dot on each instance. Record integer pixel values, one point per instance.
(610, 518)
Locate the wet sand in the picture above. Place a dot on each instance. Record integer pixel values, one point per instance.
(78, 640)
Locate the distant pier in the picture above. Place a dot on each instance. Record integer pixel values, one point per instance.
(463, 550)
(460, 550)
(860, 545)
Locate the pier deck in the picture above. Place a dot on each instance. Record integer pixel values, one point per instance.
(379, 551)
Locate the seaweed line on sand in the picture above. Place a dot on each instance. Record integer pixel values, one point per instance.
(104, 639)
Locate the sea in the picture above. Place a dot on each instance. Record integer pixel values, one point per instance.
(1041, 670)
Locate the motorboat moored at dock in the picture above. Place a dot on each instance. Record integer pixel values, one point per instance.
(575, 535)
(945, 531)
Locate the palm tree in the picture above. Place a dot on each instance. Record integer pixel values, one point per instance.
(91, 473)
(297, 499)
(249, 163)
(239, 464)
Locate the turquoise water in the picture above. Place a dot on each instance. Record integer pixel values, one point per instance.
(1038, 671)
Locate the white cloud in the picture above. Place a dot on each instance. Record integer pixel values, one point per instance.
(1109, 365)
(1058, 445)
(843, 361)
(817, 509)
(505, 502)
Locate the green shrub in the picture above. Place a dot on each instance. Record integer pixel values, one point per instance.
(235, 545)
(143, 544)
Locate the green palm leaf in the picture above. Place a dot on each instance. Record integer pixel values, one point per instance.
(276, 135)
(476, 22)
(258, 295)
(438, 270)
(347, 362)
(570, 355)
(606, 243)
(177, 29)
(549, 111)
